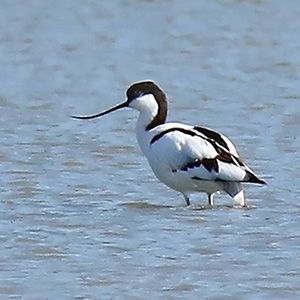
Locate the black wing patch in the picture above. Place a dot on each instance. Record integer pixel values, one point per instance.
(209, 164)
(253, 178)
(212, 136)
(229, 158)
(160, 135)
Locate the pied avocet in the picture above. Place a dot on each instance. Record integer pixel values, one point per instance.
(186, 158)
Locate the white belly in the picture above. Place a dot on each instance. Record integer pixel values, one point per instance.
(180, 181)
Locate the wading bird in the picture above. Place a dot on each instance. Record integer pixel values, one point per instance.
(186, 158)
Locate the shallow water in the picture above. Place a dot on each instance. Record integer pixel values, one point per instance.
(82, 216)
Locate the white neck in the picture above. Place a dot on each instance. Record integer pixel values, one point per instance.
(148, 109)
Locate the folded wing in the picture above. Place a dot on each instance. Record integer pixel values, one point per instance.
(200, 153)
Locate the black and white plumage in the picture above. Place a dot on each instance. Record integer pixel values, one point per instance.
(186, 158)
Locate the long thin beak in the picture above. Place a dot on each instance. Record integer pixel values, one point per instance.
(122, 105)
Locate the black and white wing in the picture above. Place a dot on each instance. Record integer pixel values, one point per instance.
(201, 153)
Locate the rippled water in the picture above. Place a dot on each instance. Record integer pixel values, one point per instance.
(82, 216)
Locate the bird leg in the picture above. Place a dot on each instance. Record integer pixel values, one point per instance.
(211, 199)
(187, 199)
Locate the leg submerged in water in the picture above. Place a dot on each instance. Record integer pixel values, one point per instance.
(187, 199)
(211, 199)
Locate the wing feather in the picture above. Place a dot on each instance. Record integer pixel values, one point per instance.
(199, 152)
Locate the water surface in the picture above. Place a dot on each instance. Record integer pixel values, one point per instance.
(82, 216)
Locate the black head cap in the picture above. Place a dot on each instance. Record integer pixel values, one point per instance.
(142, 88)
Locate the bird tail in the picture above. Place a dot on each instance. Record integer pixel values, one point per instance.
(253, 178)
